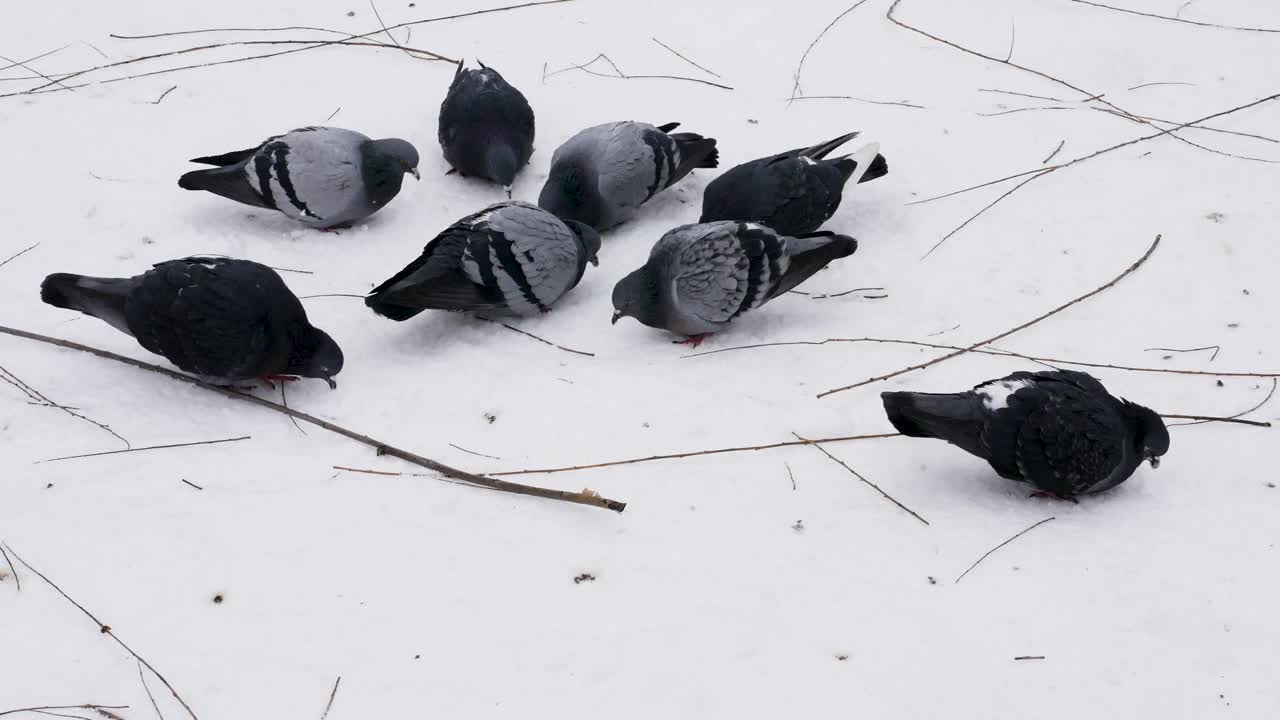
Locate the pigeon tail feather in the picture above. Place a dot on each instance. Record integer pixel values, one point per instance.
(103, 298)
(950, 417)
(229, 182)
(807, 262)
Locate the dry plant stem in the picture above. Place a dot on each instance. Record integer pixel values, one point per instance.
(512, 328)
(117, 36)
(1154, 244)
(1153, 84)
(678, 456)
(858, 99)
(25, 66)
(142, 677)
(867, 482)
(1006, 542)
(17, 255)
(13, 64)
(329, 706)
(1175, 19)
(17, 581)
(795, 87)
(473, 452)
(164, 95)
(143, 449)
(580, 498)
(1215, 348)
(620, 75)
(106, 630)
(47, 708)
(1201, 419)
(990, 351)
(682, 57)
(1054, 154)
(390, 37)
(38, 396)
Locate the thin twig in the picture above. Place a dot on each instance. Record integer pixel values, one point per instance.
(1006, 542)
(385, 473)
(154, 704)
(329, 706)
(118, 36)
(584, 497)
(858, 99)
(34, 394)
(620, 75)
(874, 486)
(826, 296)
(25, 66)
(106, 630)
(1214, 348)
(1054, 154)
(45, 708)
(18, 254)
(1153, 84)
(682, 57)
(535, 337)
(790, 475)
(335, 112)
(164, 94)
(795, 88)
(348, 295)
(1029, 657)
(990, 351)
(1176, 19)
(284, 400)
(1154, 244)
(17, 581)
(41, 56)
(390, 37)
(1201, 419)
(1013, 38)
(473, 452)
(142, 449)
(1025, 95)
(192, 484)
(1026, 109)
(677, 456)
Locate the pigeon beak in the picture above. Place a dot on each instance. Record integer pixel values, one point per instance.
(595, 262)
(616, 317)
(333, 384)
(1155, 462)
(416, 175)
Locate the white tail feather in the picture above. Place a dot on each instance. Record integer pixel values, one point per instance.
(863, 156)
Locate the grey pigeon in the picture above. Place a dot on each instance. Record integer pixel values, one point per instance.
(512, 258)
(792, 192)
(602, 175)
(324, 177)
(486, 126)
(700, 277)
(220, 318)
(1060, 432)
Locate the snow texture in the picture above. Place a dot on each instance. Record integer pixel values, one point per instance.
(723, 591)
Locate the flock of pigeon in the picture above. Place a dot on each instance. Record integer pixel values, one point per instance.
(232, 320)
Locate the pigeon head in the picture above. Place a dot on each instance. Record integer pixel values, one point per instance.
(637, 296)
(390, 158)
(314, 354)
(570, 194)
(588, 240)
(500, 164)
(1150, 435)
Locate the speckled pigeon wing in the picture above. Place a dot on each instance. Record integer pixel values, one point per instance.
(724, 269)
(525, 253)
(1069, 443)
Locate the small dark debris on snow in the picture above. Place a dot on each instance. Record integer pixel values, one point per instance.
(584, 577)
(752, 121)
(1167, 357)
(1233, 325)
(1029, 657)
(351, 13)
(49, 486)
(1245, 291)
(841, 657)
(105, 629)
(217, 599)
(933, 580)
(146, 240)
(490, 417)
(1215, 217)
(1271, 485)
(798, 526)
(1220, 384)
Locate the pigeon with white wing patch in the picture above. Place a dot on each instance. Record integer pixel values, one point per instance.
(794, 192)
(320, 176)
(1059, 431)
(700, 277)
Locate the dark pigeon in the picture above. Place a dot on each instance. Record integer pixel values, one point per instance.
(223, 319)
(512, 258)
(792, 192)
(324, 177)
(486, 126)
(1060, 432)
(700, 277)
(602, 175)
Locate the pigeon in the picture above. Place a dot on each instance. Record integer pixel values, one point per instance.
(324, 177)
(792, 192)
(224, 319)
(486, 126)
(512, 258)
(700, 277)
(1060, 432)
(602, 175)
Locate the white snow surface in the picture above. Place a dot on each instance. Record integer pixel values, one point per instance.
(744, 585)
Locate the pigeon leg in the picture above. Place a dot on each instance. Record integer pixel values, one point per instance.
(693, 341)
(335, 229)
(271, 380)
(1054, 496)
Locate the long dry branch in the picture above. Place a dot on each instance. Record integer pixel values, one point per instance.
(102, 709)
(1006, 542)
(865, 481)
(1171, 18)
(696, 453)
(585, 497)
(105, 629)
(1201, 419)
(1142, 260)
(795, 87)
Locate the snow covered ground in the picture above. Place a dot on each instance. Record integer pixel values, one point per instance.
(725, 589)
